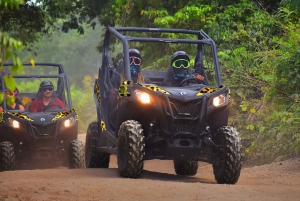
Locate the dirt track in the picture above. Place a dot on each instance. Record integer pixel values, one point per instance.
(276, 181)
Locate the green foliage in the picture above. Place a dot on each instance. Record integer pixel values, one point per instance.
(77, 53)
(83, 103)
(258, 51)
(258, 47)
(10, 4)
(8, 48)
(33, 19)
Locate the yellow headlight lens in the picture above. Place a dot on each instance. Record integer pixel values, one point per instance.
(14, 123)
(219, 100)
(145, 98)
(69, 122)
(142, 96)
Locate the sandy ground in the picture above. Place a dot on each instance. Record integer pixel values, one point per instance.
(276, 181)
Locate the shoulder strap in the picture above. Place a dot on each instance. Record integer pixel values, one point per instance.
(50, 103)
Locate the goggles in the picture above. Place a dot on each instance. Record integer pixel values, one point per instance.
(47, 89)
(135, 61)
(179, 63)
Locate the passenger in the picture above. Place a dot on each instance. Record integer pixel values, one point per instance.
(118, 78)
(45, 98)
(135, 60)
(16, 105)
(180, 70)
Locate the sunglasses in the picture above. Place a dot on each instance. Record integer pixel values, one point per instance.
(135, 61)
(47, 89)
(179, 63)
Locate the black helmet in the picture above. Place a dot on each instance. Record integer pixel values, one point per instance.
(135, 52)
(180, 55)
(182, 72)
(46, 83)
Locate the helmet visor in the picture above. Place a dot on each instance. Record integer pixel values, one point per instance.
(181, 63)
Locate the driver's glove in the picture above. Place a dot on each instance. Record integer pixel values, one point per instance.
(198, 77)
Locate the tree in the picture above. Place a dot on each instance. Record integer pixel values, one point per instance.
(34, 19)
(8, 48)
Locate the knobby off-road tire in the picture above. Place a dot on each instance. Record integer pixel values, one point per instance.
(7, 156)
(76, 155)
(229, 142)
(186, 167)
(130, 149)
(93, 157)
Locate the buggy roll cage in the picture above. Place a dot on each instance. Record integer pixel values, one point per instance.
(61, 74)
(203, 38)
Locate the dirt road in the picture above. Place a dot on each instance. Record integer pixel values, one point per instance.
(276, 181)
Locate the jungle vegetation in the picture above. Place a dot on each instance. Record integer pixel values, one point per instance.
(258, 43)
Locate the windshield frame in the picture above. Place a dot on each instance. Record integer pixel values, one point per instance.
(60, 75)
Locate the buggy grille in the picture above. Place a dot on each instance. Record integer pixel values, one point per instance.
(41, 130)
(190, 108)
(182, 126)
(181, 111)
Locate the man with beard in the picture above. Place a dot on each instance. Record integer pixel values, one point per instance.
(45, 99)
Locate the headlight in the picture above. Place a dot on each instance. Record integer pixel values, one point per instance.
(69, 122)
(219, 100)
(14, 123)
(142, 96)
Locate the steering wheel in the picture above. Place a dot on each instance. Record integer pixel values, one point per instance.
(54, 109)
(188, 80)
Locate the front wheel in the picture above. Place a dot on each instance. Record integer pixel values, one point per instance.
(76, 155)
(93, 157)
(130, 149)
(7, 156)
(229, 143)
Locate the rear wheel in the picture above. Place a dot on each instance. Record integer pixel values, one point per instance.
(76, 155)
(130, 149)
(186, 167)
(229, 169)
(7, 156)
(93, 157)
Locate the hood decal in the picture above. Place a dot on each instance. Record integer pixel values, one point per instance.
(123, 89)
(102, 125)
(1, 117)
(64, 114)
(98, 93)
(19, 115)
(155, 88)
(208, 90)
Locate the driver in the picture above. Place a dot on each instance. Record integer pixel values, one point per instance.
(45, 99)
(180, 70)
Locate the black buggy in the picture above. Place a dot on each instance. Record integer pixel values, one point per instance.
(185, 124)
(47, 137)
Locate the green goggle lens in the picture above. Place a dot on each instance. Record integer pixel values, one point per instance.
(181, 63)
